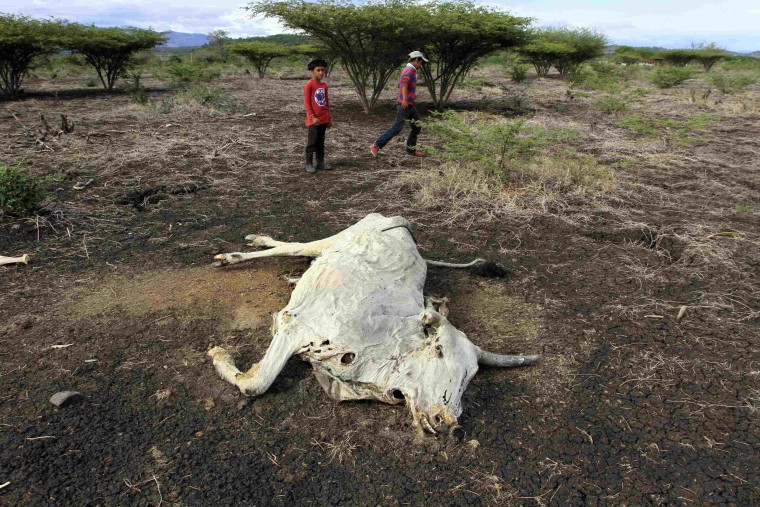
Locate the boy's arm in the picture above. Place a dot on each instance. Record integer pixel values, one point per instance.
(307, 91)
(329, 109)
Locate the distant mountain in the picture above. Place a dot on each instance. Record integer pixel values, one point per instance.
(181, 40)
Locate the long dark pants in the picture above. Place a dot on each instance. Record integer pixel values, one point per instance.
(316, 141)
(402, 115)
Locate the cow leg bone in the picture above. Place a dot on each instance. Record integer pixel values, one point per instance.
(24, 259)
(262, 374)
(312, 249)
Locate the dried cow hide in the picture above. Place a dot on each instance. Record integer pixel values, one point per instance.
(358, 315)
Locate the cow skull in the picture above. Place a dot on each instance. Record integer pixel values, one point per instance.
(358, 315)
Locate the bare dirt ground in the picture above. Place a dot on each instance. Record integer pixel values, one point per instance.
(631, 405)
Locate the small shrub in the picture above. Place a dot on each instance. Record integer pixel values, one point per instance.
(729, 84)
(20, 193)
(613, 104)
(90, 82)
(668, 77)
(600, 77)
(518, 72)
(135, 89)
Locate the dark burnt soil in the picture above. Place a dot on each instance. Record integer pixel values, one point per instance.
(630, 405)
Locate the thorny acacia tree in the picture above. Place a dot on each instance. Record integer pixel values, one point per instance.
(455, 34)
(109, 50)
(260, 54)
(709, 55)
(564, 48)
(371, 38)
(21, 39)
(318, 50)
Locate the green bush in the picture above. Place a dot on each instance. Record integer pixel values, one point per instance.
(668, 77)
(729, 84)
(600, 77)
(20, 193)
(613, 104)
(499, 143)
(518, 72)
(188, 73)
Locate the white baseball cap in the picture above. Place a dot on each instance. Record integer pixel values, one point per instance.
(417, 54)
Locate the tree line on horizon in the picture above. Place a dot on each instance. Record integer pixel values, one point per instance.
(370, 41)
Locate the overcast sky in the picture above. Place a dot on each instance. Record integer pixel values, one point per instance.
(732, 24)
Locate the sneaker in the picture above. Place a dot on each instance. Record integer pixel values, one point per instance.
(310, 169)
(374, 150)
(416, 153)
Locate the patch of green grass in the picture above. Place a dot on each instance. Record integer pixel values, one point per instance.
(661, 126)
(625, 163)
(475, 82)
(747, 208)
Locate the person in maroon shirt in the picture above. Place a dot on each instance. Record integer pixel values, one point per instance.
(316, 101)
(405, 109)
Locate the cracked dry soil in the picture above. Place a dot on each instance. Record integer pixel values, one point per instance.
(630, 405)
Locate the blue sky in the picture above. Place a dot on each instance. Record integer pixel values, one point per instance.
(732, 24)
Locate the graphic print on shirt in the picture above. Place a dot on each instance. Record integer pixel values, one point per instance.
(320, 97)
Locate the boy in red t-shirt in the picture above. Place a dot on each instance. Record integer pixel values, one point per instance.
(316, 101)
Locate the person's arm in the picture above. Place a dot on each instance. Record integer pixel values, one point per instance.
(405, 78)
(329, 109)
(307, 93)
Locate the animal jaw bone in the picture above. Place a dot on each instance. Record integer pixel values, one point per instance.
(24, 259)
(358, 315)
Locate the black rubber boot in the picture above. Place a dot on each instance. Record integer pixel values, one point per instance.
(321, 162)
(310, 164)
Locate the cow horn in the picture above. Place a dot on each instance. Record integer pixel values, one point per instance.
(504, 361)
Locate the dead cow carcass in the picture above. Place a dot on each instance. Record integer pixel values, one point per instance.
(358, 315)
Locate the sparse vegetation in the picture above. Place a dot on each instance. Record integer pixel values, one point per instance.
(212, 98)
(677, 130)
(613, 104)
(732, 83)
(499, 165)
(20, 192)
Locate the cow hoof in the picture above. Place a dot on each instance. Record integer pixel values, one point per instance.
(219, 354)
(256, 240)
